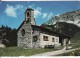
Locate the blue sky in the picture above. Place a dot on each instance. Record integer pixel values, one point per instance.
(12, 13)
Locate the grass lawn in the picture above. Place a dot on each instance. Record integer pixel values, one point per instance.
(15, 51)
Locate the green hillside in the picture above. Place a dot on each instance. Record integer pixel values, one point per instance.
(76, 38)
(64, 28)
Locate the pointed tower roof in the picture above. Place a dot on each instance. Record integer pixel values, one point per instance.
(29, 9)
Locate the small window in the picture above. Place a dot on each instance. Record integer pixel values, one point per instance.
(52, 39)
(45, 38)
(23, 32)
(34, 38)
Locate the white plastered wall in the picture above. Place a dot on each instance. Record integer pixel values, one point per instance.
(49, 42)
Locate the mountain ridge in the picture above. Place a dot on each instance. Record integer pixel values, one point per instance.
(69, 17)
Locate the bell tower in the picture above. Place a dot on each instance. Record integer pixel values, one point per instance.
(29, 16)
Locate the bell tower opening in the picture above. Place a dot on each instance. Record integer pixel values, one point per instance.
(29, 16)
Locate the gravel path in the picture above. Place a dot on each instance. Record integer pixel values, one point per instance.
(55, 52)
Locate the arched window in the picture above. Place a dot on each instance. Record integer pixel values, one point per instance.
(23, 32)
(28, 14)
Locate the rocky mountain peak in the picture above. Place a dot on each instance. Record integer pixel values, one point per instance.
(69, 17)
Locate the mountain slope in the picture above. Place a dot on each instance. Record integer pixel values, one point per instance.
(69, 17)
(76, 38)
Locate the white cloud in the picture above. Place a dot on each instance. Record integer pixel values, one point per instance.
(38, 12)
(45, 15)
(39, 8)
(57, 14)
(13, 11)
(10, 11)
(50, 15)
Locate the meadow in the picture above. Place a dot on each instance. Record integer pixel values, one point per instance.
(15, 51)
